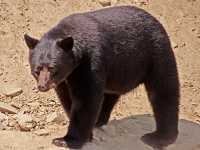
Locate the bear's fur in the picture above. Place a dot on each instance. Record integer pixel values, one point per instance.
(92, 58)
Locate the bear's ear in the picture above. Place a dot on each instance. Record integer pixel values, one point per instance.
(30, 42)
(66, 44)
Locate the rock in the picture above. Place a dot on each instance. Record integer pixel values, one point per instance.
(24, 110)
(35, 90)
(114, 2)
(51, 117)
(193, 29)
(105, 3)
(42, 132)
(2, 127)
(12, 122)
(6, 108)
(174, 45)
(142, 2)
(56, 117)
(16, 105)
(183, 44)
(3, 120)
(25, 122)
(34, 104)
(3, 117)
(12, 91)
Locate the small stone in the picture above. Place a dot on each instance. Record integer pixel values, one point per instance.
(105, 3)
(114, 2)
(12, 122)
(34, 104)
(174, 45)
(35, 90)
(6, 108)
(42, 132)
(3, 117)
(25, 122)
(2, 33)
(183, 44)
(193, 29)
(51, 117)
(11, 91)
(56, 117)
(3, 121)
(16, 105)
(2, 127)
(142, 2)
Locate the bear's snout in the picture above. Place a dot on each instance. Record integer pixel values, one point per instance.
(44, 81)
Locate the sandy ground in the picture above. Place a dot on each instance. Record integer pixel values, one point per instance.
(117, 135)
(182, 22)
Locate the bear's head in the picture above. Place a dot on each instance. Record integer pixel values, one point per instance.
(51, 61)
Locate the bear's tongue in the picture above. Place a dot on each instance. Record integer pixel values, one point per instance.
(44, 79)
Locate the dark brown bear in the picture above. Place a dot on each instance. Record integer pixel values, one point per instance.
(92, 58)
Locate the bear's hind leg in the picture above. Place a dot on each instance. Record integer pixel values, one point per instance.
(164, 97)
(109, 102)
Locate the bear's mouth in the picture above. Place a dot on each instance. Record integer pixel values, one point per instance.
(44, 81)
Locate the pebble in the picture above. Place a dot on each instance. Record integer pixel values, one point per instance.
(114, 2)
(142, 2)
(12, 91)
(34, 104)
(3, 117)
(3, 121)
(105, 3)
(25, 122)
(6, 108)
(2, 127)
(12, 122)
(193, 29)
(16, 105)
(174, 45)
(42, 132)
(56, 117)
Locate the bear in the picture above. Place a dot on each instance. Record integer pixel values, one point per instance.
(93, 58)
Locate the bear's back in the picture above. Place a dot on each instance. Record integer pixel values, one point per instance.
(113, 19)
(121, 15)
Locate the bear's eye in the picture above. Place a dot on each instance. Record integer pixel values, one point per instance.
(52, 71)
(36, 72)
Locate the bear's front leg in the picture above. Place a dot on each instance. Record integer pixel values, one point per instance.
(87, 98)
(62, 92)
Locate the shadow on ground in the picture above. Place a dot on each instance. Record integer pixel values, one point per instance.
(122, 134)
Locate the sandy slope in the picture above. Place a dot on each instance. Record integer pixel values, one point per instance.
(180, 18)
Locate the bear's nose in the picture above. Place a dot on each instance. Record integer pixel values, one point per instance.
(43, 80)
(42, 88)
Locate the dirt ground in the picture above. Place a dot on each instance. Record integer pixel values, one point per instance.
(182, 22)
